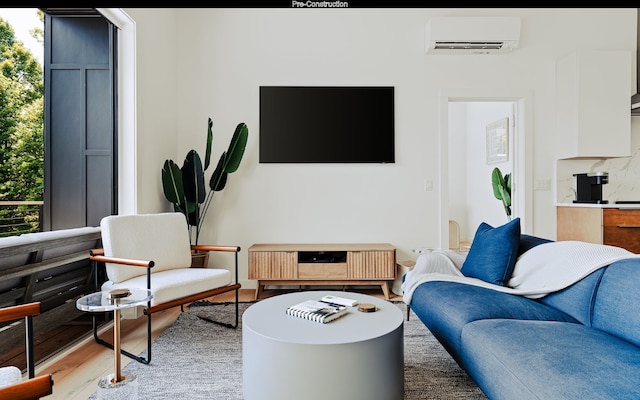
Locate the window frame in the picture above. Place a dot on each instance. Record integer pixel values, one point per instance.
(126, 111)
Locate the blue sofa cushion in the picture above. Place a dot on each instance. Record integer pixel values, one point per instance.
(617, 304)
(493, 252)
(528, 242)
(513, 359)
(577, 300)
(445, 307)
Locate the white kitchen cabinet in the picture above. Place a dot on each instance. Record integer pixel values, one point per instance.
(593, 119)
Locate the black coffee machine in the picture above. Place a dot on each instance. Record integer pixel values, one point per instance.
(589, 187)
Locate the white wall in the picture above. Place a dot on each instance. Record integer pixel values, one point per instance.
(196, 63)
(157, 76)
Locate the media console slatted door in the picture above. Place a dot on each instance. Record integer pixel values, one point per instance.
(322, 264)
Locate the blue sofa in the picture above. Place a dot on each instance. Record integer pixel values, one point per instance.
(582, 342)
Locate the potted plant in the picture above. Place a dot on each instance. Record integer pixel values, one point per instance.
(185, 187)
(502, 189)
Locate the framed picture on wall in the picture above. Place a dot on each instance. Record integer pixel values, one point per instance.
(498, 141)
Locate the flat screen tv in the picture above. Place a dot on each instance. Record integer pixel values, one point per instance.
(326, 124)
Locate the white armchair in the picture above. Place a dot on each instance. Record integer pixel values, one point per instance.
(152, 251)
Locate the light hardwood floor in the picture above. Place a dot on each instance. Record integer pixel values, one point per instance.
(76, 371)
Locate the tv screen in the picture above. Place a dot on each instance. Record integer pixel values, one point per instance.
(319, 124)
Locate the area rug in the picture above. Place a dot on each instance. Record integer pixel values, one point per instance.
(194, 359)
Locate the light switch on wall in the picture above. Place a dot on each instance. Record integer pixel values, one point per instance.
(543, 184)
(428, 185)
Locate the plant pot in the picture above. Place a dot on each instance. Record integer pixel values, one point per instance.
(199, 259)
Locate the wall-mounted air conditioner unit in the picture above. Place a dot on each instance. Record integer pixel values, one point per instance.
(472, 35)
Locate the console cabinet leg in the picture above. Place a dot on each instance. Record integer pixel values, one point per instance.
(259, 288)
(385, 290)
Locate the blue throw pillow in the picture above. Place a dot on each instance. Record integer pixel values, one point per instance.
(493, 253)
(528, 242)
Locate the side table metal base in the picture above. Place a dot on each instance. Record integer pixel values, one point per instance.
(117, 385)
(126, 389)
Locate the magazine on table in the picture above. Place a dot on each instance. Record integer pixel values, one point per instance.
(318, 311)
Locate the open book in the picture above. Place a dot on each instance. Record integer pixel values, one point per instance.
(317, 311)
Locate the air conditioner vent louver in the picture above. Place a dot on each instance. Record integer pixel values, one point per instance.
(469, 45)
(472, 35)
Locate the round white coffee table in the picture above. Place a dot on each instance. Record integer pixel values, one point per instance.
(357, 356)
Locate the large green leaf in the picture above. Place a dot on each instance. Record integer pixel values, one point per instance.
(230, 159)
(172, 182)
(505, 197)
(497, 182)
(236, 148)
(506, 203)
(502, 189)
(219, 178)
(192, 212)
(193, 178)
(207, 155)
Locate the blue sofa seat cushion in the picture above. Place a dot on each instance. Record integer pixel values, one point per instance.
(517, 359)
(493, 253)
(445, 307)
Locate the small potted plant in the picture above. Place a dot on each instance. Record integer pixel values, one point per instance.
(185, 186)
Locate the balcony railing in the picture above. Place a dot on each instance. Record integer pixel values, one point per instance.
(18, 217)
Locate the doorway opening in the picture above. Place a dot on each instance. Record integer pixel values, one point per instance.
(468, 119)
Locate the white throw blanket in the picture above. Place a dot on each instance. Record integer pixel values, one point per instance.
(544, 269)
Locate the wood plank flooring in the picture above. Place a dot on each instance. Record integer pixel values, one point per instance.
(77, 370)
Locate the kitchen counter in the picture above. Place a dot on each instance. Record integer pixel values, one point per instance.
(609, 205)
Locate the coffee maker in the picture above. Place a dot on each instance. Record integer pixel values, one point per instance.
(589, 187)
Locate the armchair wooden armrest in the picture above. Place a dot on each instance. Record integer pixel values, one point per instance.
(13, 313)
(26, 312)
(98, 255)
(30, 389)
(233, 249)
(204, 247)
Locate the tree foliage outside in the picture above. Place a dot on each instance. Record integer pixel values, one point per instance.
(21, 130)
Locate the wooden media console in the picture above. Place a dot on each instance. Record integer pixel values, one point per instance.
(322, 264)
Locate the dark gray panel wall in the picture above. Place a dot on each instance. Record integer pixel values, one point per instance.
(85, 40)
(79, 121)
(66, 146)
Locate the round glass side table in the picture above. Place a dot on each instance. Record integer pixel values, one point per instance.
(118, 385)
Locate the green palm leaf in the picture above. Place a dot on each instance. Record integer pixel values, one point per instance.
(172, 182)
(236, 148)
